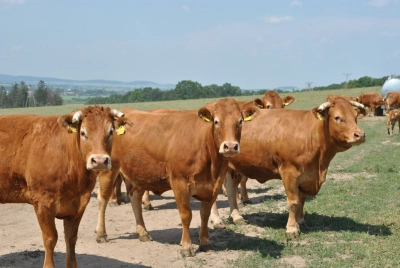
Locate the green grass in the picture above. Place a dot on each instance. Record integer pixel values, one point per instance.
(353, 221)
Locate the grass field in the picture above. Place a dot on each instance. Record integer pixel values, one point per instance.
(353, 222)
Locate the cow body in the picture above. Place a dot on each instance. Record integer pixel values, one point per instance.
(51, 163)
(392, 100)
(295, 147)
(392, 117)
(177, 151)
(372, 100)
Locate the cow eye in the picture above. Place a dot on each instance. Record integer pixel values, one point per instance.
(269, 106)
(83, 134)
(216, 122)
(338, 118)
(240, 122)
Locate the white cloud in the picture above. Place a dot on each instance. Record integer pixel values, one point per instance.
(17, 48)
(296, 3)
(381, 3)
(186, 8)
(274, 19)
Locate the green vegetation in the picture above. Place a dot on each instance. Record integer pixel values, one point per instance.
(353, 222)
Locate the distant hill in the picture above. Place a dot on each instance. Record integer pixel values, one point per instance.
(67, 83)
(287, 88)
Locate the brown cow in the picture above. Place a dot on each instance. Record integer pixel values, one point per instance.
(392, 100)
(295, 146)
(186, 152)
(392, 116)
(52, 162)
(372, 100)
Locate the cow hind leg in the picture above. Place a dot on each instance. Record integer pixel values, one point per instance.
(243, 192)
(46, 219)
(232, 184)
(71, 236)
(146, 201)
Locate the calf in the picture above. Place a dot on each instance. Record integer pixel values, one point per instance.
(392, 116)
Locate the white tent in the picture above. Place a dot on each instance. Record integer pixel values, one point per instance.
(392, 84)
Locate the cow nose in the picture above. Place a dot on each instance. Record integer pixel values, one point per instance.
(359, 135)
(229, 149)
(99, 162)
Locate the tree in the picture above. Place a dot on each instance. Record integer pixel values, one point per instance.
(41, 94)
(4, 102)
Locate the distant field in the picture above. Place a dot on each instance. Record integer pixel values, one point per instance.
(304, 100)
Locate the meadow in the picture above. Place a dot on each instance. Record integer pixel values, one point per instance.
(354, 221)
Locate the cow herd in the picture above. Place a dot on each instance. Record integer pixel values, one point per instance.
(53, 162)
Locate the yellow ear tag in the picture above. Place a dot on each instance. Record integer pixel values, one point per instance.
(72, 128)
(247, 118)
(286, 103)
(206, 119)
(320, 117)
(121, 130)
(260, 106)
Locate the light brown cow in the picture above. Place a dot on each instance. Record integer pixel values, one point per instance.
(295, 146)
(392, 117)
(52, 162)
(372, 100)
(186, 152)
(392, 100)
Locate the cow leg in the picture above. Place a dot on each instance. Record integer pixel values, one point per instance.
(232, 183)
(243, 191)
(205, 208)
(300, 211)
(106, 186)
(46, 219)
(136, 203)
(215, 218)
(71, 236)
(146, 201)
(295, 203)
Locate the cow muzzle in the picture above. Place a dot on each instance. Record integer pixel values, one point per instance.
(358, 137)
(229, 149)
(99, 162)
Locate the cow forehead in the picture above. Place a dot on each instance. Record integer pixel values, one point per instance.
(226, 107)
(94, 117)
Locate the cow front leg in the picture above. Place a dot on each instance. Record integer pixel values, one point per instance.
(136, 203)
(46, 219)
(232, 183)
(106, 187)
(295, 204)
(182, 199)
(243, 191)
(71, 227)
(300, 211)
(205, 208)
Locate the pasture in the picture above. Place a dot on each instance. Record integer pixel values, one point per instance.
(354, 221)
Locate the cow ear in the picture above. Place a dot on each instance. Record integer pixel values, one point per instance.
(122, 124)
(288, 100)
(250, 113)
(319, 114)
(66, 122)
(205, 114)
(259, 103)
(361, 112)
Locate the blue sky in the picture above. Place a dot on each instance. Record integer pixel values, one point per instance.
(250, 44)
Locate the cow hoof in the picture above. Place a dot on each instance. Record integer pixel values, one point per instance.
(240, 221)
(247, 202)
(205, 248)
(219, 226)
(126, 200)
(145, 238)
(148, 207)
(187, 253)
(102, 239)
(292, 236)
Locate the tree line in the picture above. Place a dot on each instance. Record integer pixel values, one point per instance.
(21, 95)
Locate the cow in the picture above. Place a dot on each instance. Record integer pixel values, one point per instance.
(392, 117)
(270, 100)
(295, 146)
(52, 162)
(187, 152)
(372, 100)
(392, 100)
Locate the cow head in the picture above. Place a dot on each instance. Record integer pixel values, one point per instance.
(272, 100)
(94, 128)
(227, 119)
(340, 121)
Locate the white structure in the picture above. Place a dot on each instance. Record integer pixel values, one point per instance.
(392, 84)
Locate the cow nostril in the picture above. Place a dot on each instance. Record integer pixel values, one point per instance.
(93, 161)
(106, 161)
(226, 146)
(236, 147)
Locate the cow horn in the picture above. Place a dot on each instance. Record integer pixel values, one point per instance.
(324, 105)
(117, 113)
(77, 117)
(357, 104)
